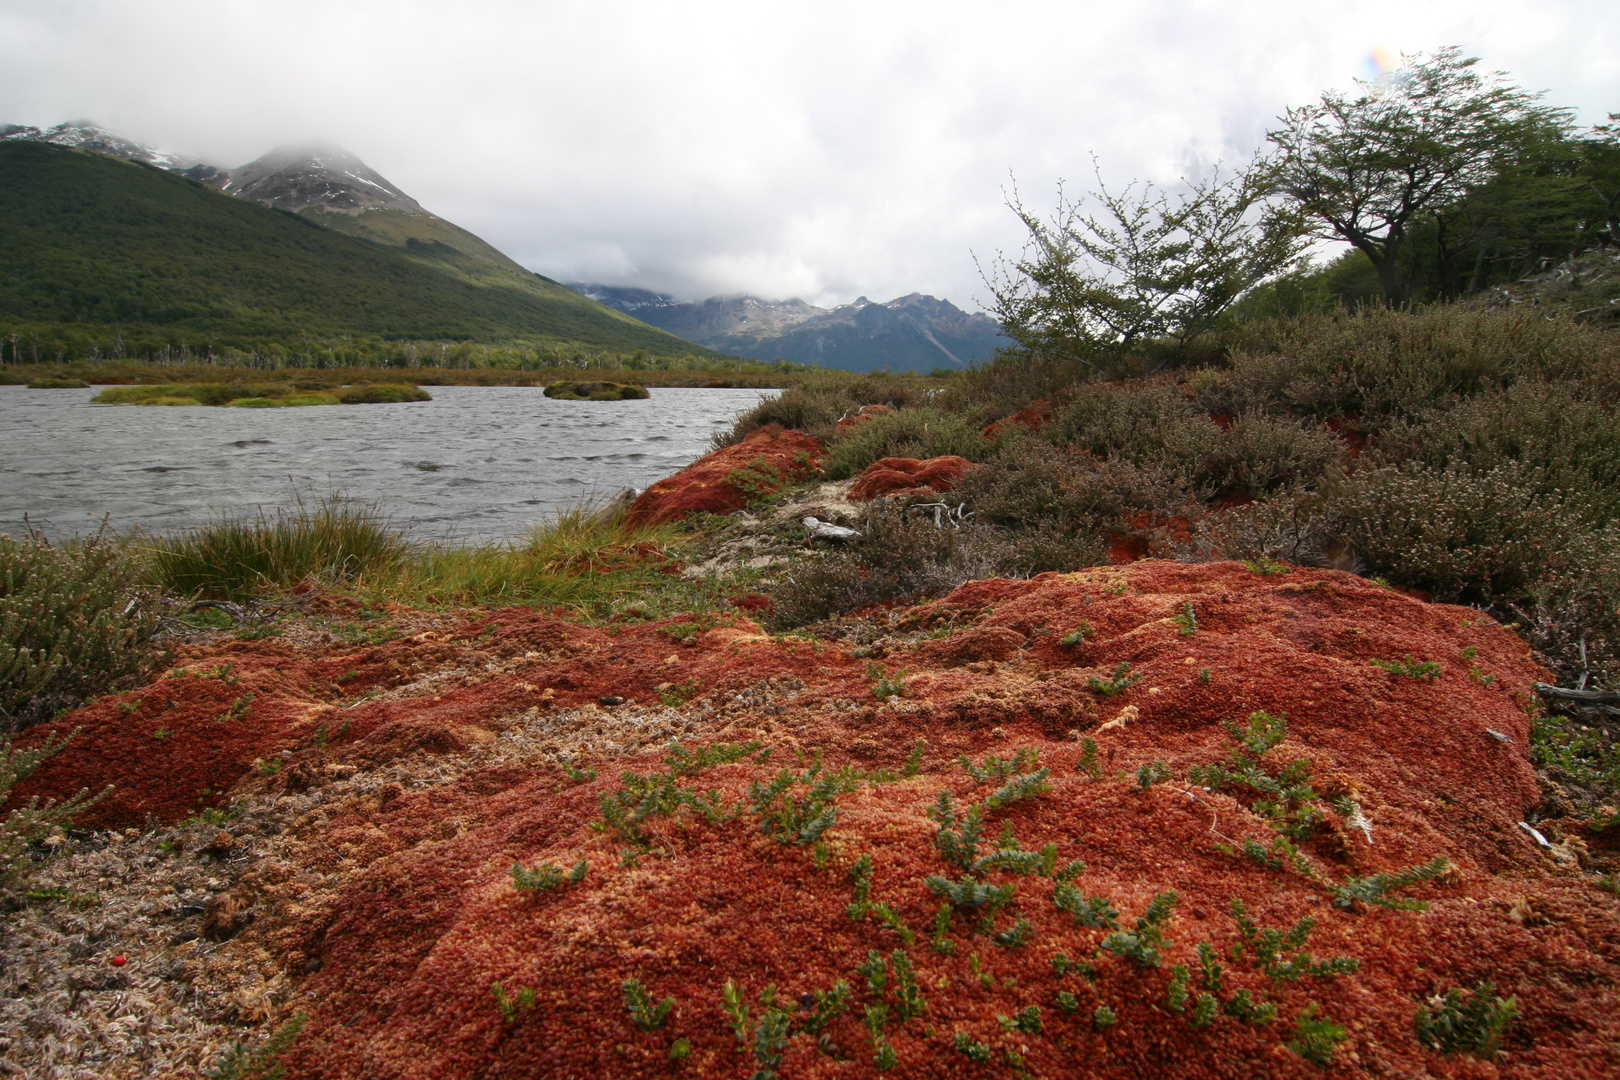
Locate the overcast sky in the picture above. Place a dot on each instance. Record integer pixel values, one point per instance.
(817, 150)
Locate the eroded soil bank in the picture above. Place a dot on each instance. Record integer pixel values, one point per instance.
(370, 802)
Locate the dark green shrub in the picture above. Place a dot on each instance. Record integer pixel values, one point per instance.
(73, 624)
(1453, 533)
(899, 557)
(1384, 364)
(1554, 432)
(921, 432)
(817, 404)
(338, 540)
(1055, 503)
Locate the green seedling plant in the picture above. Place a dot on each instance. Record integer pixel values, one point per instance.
(1092, 912)
(1245, 1008)
(546, 877)
(1411, 669)
(1104, 1017)
(644, 1013)
(998, 768)
(1088, 759)
(1077, 636)
(1121, 681)
(942, 944)
(1175, 995)
(1026, 786)
(680, 694)
(885, 685)
(1476, 1025)
(829, 1005)
(1281, 954)
(1315, 1039)
(1287, 798)
(769, 1035)
(1266, 566)
(914, 759)
(971, 1048)
(1016, 936)
(515, 1004)
(1150, 774)
(1187, 621)
(575, 774)
(1026, 1020)
(887, 916)
(861, 875)
(1143, 944)
(1067, 1003)
(1376, 889)
(800, 820)
(238, 709)
(261, 1062)
(641, 798)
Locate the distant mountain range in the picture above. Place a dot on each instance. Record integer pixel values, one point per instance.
(912, 333)
(336, 190)
(396, 270)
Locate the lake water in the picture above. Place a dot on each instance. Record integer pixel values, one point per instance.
(475, 463)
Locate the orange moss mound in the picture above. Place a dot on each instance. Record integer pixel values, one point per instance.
(729, 479)
(893, 475)
(1033, 417)
(428, 920)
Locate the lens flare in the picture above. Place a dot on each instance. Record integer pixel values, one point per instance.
(1378, 64)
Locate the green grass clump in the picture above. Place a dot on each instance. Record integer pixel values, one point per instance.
(595, 391)
(337, 541)
(921, 432)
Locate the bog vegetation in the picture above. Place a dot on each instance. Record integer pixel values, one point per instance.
(1184, 387)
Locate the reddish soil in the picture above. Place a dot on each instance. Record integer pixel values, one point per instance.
(729, 479)
(894, 475)
(420, 918)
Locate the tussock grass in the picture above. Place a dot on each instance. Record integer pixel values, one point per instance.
(234, 558)
(578, 559)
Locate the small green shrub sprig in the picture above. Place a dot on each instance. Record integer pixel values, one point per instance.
(1411, 669)
(642, 797)
(769, 1034)
(1152, 773)
(1281, 954)
(261, 1062)
(959, 845)
(575, 774)
(942, 927)
(971, 894)
(1016, 936)
(914, 759)
(1266, 566)
(861, 875)
(998, 768)
(1121, 681)
(971, 1048)
(790, 820)
(1026, 786)
(1187, 621)
(1175, 995)
(1026, 1020)
(1451, 1024)
(1104, 1017)
(25, 825)
(1088, 762)
(1287, 798)
(644, 1013)
(546, 877)
(1144, 943)
(1376, 889)
(1315, 1039)
(1245, 1008)
(1092, 912)
(1077, 636)
(515, 1004)
(829, 1005)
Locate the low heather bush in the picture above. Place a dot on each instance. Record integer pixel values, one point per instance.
(816, 405)
(73, 624)
(901, 556)
(922, 432)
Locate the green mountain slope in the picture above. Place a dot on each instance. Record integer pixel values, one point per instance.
(85, 238)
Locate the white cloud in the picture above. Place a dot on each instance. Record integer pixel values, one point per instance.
(821, 150)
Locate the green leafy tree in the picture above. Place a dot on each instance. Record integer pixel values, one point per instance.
(1141, 264)
(1372, 167)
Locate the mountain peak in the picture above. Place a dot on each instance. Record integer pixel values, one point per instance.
(87, 135)
(320, 177)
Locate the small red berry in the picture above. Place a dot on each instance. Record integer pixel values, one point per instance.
(118, 961)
